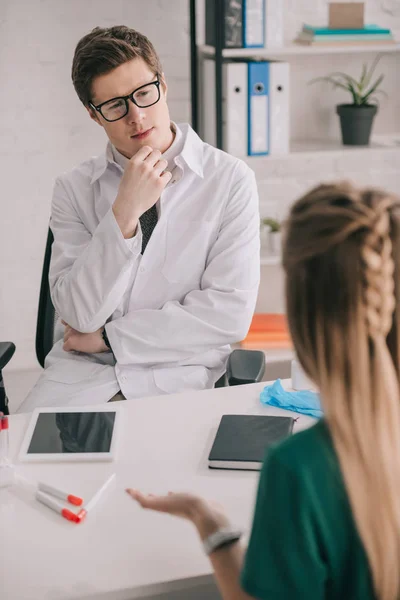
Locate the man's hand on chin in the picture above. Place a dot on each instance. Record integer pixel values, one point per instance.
(83, 342)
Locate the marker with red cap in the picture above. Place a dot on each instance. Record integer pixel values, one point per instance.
(45, 492)
(53, 491)
(6, 466)
(58, 507)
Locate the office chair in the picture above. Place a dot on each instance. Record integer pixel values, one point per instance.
(7, 350)
(244, 366)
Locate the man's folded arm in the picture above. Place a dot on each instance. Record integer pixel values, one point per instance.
(88, 273)
(219, 312)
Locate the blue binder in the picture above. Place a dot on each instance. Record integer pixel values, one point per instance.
(258, 108)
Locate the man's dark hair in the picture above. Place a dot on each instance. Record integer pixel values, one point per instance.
(104, 49)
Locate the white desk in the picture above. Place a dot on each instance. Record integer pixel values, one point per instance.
(122, 552)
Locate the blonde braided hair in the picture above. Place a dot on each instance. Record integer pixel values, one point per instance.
(342, 258)
(377, 255)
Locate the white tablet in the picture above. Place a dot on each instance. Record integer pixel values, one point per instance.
(71, 434)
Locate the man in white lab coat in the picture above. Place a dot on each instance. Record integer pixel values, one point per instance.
(155, 261)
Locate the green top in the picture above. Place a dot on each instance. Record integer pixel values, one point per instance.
(304, 543)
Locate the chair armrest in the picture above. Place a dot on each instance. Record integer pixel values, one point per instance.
(7, 349)
(245, 366)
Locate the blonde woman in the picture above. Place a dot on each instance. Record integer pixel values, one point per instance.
(327, 517)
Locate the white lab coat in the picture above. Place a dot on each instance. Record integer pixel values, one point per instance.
(171, 313)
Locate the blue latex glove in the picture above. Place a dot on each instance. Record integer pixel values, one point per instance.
(304, 401)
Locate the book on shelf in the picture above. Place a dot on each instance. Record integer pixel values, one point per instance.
(342, 42)
(268, 330)
(246, 23)
(325, 36)
(269, 321)
(371, 29)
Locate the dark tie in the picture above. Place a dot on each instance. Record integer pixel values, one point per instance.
(148, 221)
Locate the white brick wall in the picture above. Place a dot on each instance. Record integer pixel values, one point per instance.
(44, 130)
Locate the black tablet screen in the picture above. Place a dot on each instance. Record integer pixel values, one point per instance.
(72, 432)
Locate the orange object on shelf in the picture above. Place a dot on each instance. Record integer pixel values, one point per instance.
(266, 345)
(268, 330)
(268, 322)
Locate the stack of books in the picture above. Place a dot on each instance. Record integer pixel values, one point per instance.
(268, 330)
(326, 36)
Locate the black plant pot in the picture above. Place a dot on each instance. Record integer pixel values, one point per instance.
(356, 123)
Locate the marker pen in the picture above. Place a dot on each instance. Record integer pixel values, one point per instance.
(53, 491)
(93, 501)
(56, 506)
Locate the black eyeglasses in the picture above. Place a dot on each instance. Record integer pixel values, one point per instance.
(117, 108)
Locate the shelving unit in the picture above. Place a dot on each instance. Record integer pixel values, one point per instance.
(220, 54)
(194, 65)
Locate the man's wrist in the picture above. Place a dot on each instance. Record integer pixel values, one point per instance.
(128, 226)
(105, 338)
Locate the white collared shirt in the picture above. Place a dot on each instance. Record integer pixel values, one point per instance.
(171, 313)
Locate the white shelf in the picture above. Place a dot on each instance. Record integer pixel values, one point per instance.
(298, 49)
(333, 148)
(317, 146)
(270, 260)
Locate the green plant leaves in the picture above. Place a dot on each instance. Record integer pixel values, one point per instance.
(273, 223)
(361, 90)
(372, 89)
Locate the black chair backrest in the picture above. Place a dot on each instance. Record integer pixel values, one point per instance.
(46, 312)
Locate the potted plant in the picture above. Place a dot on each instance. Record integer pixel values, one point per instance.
(356, 118)
(265, 231)
(274, 234)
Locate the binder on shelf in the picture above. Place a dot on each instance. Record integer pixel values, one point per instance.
(234, 129)
(255, 107)
(234, 108)
(258, 109)
(243, 23)
(274, 24)
(279, 107)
